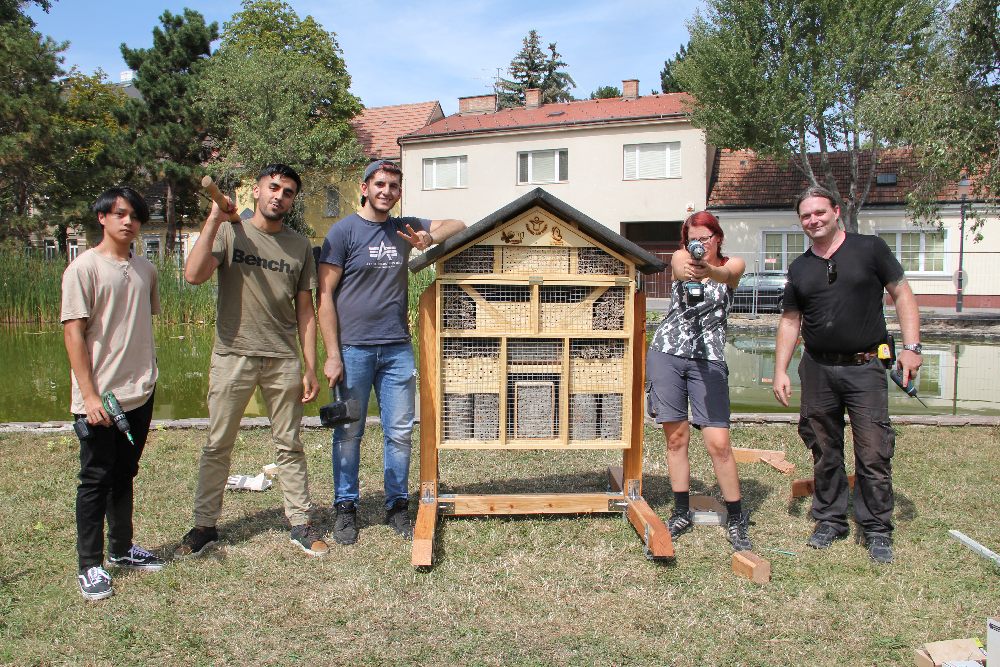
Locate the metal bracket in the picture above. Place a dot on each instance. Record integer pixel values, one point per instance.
(446, 505)
(427, 490)
(617, 504)
(647, 552)
(633, 489)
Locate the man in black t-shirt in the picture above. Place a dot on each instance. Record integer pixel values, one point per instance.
(834, 293)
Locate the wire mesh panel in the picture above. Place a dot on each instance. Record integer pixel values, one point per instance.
(534, 260)
(596, 261)
(475, 259)
(470, 369)
(486, 308)
(596, 380)
(609, 310)
(534, 379)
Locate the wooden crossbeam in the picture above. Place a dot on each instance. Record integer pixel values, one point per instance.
(651, 529)
(753, 567)
(802, 488)
(528, 503)
(423, 533)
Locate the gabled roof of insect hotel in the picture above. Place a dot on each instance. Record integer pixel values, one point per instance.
(644, 261)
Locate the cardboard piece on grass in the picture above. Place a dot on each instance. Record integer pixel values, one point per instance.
(707, 511)
(248, 483)
(939, 654)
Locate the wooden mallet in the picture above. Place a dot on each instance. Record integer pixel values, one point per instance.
(209, 186)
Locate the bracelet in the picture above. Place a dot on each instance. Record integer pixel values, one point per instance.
(431, 237)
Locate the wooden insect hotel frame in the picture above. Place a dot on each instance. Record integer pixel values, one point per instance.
(532, 337)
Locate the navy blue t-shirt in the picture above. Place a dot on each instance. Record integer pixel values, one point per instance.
(371, 296)
(845, 315)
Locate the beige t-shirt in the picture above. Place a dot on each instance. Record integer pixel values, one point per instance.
(259, 276)
(118, 299)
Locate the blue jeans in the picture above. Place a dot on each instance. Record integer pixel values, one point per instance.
(391, 370)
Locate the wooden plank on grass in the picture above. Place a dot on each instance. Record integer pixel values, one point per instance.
(753, 567)
(529, 503)
(779, 464)
(746, 455)
(423, 534)
(650, 528)
(802, 488)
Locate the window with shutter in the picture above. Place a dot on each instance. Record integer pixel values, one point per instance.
(648, 161)
(549, 166)
(441, 173)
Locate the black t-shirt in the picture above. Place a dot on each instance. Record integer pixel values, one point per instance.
(844, 316)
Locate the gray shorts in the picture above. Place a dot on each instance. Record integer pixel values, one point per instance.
(674, 382)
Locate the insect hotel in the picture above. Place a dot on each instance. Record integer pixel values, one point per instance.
(532, 337)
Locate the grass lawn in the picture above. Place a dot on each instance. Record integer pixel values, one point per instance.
(519, 591)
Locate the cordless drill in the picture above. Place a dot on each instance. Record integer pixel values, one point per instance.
(694, 290)
(114, 410)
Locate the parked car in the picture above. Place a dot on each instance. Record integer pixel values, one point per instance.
(770, 289)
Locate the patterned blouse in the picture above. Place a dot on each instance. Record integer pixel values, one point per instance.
(698, 331)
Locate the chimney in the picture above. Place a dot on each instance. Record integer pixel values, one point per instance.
(477, 104)
(532, 98)
(630, 89)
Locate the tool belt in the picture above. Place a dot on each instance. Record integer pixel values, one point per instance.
(844, 359)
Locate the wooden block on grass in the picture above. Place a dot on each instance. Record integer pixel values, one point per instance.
(423, 535)
(802, 488)
(746, 455)
(753, 567)
(780, 464)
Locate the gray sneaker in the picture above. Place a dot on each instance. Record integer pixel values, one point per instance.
(737, 532)
(95, 583)
(307, 538)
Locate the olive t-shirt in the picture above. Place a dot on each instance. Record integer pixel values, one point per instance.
(259, 276)
(118, 299)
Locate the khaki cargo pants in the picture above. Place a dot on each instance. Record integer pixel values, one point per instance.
(232, 381)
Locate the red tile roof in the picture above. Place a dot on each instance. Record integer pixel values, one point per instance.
(378, 128)
(742, 179)
(581, 112)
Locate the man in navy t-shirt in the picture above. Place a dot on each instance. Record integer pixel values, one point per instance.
(362, 316)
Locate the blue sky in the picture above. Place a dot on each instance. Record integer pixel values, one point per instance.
(398, 52)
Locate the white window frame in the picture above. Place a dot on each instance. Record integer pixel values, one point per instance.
(560, 164)
(50, 248)
(430, 166)
(670, 162)
(152, 239)
(72, 248)
(922, 253)
(766, 267)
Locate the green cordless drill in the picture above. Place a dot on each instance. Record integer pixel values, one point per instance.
(114, 410)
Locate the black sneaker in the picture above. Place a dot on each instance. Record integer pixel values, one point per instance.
(879, 547)
(345, 526)
(398, 516)
(196, 542)
(137, 558)
(679, 523)
(737, 532)
(824, 535)
(308, 539)
(95, 583)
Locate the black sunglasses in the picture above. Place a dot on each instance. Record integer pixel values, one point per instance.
(831, 272)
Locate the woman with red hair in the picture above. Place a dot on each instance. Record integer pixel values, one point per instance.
(686, 366)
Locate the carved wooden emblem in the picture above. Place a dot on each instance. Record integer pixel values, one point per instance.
(511, 237)
(536, 226)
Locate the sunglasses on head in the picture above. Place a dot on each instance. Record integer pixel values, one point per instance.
(831, 272)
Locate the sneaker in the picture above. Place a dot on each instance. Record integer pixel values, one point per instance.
(196, 542)
(345, 526)
(398, 516)
(879, 547)
(137, 558)
(824, 535)
(679, 523)
(95, 583)
(307, 538)
(736, 532)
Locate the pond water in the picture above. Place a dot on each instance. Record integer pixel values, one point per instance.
(957, 378)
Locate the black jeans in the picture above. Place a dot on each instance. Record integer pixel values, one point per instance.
(827, 390)
(108, 464)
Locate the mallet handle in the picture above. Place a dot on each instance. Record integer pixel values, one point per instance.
(209, 186)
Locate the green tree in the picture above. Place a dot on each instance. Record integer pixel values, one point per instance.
(170, 129)
(93, 152)
(948, 110)
(530, 68)
(278, 90)
(11, 10)
(668, 82)
(787, 78)
(29, 100)
(606, 92)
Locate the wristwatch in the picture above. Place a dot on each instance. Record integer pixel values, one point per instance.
(916, 348)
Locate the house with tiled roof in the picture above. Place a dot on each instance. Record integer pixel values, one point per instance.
(378, 130)
(634, 163)
(754, 199)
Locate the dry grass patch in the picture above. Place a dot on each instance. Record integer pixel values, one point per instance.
(531, 591)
